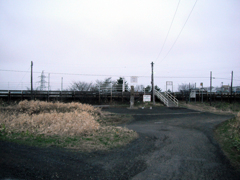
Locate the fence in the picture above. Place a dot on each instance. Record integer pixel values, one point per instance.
(67, 96)
(206, 96)
(105, 95)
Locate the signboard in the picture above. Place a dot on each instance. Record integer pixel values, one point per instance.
(134, 79)
(146, 98)
(169, 83)
(193, 94)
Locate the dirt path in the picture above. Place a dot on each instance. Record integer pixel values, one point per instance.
(173, 144)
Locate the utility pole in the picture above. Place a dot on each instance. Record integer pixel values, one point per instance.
(189, 93)
(153, 89)
(195, 92)
(62, 84)
(231, 86)
(31, 80)
(210, 88)
(48, 81)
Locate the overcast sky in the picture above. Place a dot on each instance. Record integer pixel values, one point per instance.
(99, 39)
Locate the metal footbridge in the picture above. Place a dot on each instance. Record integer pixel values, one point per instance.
(168, 99)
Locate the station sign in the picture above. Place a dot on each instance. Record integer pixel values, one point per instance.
(146, 98)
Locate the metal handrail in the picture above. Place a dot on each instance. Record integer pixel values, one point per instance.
(172, 98)
(162, 97)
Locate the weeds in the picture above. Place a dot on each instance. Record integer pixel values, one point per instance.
(216, 107)
(228, 135)
(71, 125)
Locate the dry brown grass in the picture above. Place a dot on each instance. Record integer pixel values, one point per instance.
(66, 120)
(40, 117)
(34, 107)
(203, 107)
(70, 123)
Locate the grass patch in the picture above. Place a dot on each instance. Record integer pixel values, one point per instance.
(224, 106)
(216, 107)
(73, 125)
(228, 135)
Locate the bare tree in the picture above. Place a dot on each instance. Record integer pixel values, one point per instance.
(185, 87)
(139, 88)
(81, 86)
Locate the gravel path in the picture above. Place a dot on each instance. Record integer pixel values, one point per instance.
(174, 144)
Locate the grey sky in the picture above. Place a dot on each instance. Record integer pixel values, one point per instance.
(119, 38)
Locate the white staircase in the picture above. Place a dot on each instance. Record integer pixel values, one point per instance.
(168, 99)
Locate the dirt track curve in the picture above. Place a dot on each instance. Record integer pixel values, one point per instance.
(173, 144)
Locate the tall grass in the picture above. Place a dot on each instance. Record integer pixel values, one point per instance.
(62, 120)
(34, 107)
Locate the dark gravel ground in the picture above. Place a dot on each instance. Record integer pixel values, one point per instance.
(173, 144)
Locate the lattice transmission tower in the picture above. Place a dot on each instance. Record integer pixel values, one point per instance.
(42, 82)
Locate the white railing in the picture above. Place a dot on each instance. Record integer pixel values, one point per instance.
(172, 98)
(161, 97)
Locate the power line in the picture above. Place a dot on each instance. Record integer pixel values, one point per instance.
(71, 73)
(180, 31)
(76, 74)
(168, 31)
(23, 77)
(17, 71)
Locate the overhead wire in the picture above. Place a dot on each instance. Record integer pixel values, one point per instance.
(110, 75)
(168, 32)
(180, 31)
(24, 76)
